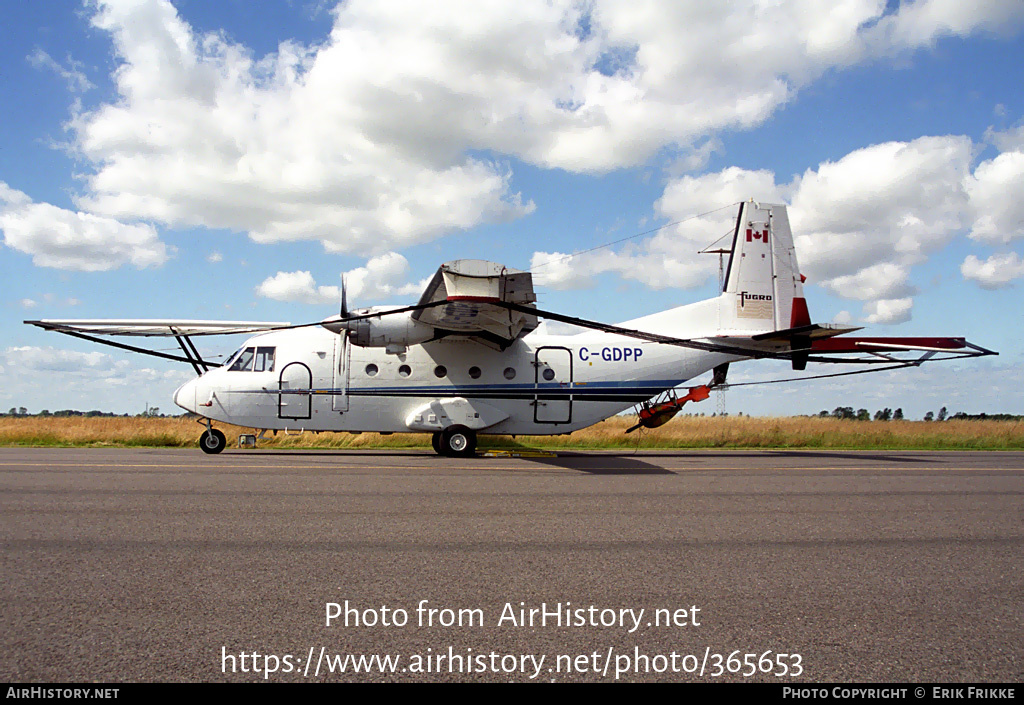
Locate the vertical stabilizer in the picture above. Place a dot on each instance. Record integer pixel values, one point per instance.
(763, 286)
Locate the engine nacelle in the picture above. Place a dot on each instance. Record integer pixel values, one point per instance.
(397, 330)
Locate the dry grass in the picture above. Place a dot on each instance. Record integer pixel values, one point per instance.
(682, 432)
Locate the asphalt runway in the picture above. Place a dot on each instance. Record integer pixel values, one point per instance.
(169, 565)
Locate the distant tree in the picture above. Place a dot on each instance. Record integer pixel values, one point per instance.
(44, 412)
(12, 412)
(898, 414)
(883, 414)
(943, 414)
(863, 415)
(929, 416)
(843, 412)
(22, 411)
(822, 414)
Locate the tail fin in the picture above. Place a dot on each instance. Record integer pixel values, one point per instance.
(763, 287)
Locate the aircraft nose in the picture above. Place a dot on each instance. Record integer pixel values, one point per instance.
(185, 396)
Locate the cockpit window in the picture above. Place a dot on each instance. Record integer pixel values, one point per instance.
(232, 356)
(264, 360)
(244, 361)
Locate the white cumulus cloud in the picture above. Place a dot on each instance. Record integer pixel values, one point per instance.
(299, 287)
(880, 281)
(888, 311)
(64, 239)
(896, 202)
(996, 272)
(382, 277)
(995, 191)
(370, 140)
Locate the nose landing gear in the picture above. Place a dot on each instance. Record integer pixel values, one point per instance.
(213, 440)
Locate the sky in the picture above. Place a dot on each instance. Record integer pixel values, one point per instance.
(234, 160)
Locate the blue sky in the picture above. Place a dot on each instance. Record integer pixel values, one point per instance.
(209, 160)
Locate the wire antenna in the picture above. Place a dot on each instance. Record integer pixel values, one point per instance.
(631, 237)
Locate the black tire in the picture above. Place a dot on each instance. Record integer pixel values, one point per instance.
(458, 442)
(212, 441)
(435, 441)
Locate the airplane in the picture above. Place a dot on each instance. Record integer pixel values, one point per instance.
(467, 359)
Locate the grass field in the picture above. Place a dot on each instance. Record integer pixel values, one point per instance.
(682, 432)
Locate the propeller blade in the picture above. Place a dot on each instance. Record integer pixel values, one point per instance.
(344, 300)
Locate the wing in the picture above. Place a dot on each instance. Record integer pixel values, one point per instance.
(470, 298)
(153, 327)
(179, 329)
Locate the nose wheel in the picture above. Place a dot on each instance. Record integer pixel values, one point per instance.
(455, 441)
(212, 441)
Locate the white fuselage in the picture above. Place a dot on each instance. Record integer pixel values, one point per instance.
(315, 380)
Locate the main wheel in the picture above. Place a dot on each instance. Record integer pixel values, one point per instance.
(212, 441)
(458, 441)
(435, 441)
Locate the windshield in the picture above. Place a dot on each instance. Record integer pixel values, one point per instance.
(244, 361)
(232, 356)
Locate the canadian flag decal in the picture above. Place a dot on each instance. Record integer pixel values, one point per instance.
(755, 235)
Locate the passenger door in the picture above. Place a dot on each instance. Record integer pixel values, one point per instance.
(552, 401)
(294, 400)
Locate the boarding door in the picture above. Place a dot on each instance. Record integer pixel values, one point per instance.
(339, 385)
(295, 400)
(552, 402)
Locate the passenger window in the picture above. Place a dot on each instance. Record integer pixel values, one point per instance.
(244, 361)
(264, 360)
(474, 372)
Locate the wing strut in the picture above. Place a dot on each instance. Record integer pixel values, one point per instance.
(133, 348)
(192, 355)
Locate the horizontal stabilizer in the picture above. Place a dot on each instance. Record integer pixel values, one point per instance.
(861, 345)
(814, 331)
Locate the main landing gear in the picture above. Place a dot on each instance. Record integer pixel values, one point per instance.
(212, 440)
(455, 441)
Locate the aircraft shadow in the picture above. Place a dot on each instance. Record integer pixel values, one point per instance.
(591, 463)
(830, 454)
(341, 452)
(582, 461)
(601, 464)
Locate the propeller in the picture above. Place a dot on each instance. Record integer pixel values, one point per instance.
(344, 300)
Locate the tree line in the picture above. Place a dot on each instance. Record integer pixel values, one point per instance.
(22, 411)
(887, 414)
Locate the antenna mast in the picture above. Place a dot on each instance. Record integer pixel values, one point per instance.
(720, 390)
